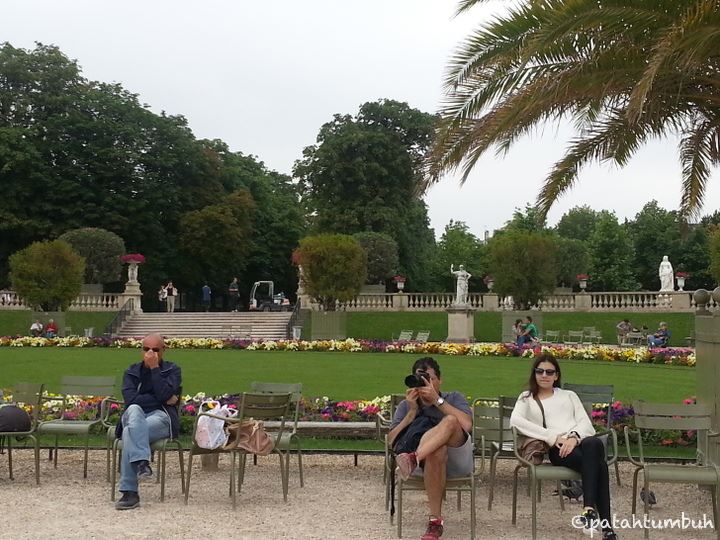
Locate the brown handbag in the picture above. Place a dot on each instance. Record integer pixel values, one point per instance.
(249, 435)
(533, 450)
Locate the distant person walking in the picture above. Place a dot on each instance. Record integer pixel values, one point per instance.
(206, 297)
(234, 292)
(162, 298)
(172, 293)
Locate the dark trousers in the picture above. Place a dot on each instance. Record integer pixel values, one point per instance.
(588, 458)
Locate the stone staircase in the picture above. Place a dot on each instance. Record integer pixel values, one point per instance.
(241, 325)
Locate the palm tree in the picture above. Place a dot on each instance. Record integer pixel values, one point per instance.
(623, 71)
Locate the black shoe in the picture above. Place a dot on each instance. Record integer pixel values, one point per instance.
(128, 501)
(145, 473)
(590, 521)
(609, 535)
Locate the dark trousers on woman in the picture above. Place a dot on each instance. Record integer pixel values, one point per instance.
(588, 458)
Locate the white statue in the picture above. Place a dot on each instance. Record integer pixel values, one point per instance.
(132, 272)
(667, 279)
(461, 294)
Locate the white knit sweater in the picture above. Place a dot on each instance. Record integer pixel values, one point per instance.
(564, 413)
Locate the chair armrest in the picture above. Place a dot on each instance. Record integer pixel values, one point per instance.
(613, 436)
(63, 406)
(105, 409)
(381, 423)
(482, 454)
(634, 461)
(516, 449)
(712, 434)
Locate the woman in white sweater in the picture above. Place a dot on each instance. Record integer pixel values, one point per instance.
(556, 416)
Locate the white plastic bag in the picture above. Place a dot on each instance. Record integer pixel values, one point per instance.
(210, 433)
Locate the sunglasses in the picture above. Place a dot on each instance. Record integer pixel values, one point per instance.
(549, 372)
(153, 349)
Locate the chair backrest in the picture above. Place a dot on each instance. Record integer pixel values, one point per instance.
(552, 335)
(588, 329)
(29, 394)
(507, 404)
(405, 335)
(87, 386)
(295, 390)
(486, 421)
(272, 406)
(395, 400)
(590, 394)
(423, 336)
(664, 416)
(634, 337)
(575, 336)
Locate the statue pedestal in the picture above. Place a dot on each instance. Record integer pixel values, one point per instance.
(461, 324)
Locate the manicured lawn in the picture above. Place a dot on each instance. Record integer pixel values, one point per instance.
(342, 375)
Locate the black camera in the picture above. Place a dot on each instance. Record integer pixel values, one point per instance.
(417, 379)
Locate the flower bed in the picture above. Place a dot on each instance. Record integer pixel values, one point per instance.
(671, 356)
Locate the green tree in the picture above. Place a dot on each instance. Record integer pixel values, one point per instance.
(578, 223)
(382, 255)
(101, 250)
(694, 258)
(216, 239)
(623, 72)
(611, 256)
(334, 268)
(523, 265)
(714, 245)
(528, 219)
(47, 275)
(363, 175)
(655, 232)
(458, 245)
(573, 258)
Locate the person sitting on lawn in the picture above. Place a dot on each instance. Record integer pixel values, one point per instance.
(36, 329)
(446, 449)
(623, 327)
(529, 333)
(151, 390)
(661, 337)
(518, 329)
(51, 329)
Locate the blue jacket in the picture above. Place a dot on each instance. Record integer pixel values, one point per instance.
(166, 382)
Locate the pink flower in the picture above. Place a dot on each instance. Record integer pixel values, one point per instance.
(617, 405)
(598, 414)
(232, 406)
(114, 406)
(189, 409)
(689, 401)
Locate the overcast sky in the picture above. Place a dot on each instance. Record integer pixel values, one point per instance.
(265, 75)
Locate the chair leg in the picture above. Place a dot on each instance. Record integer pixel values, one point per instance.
(473, 516)
(635, 491)
(399, 507)
(107, 459)
(163, 454)
(283, 477)
(114, 471)
(85, 460)
(491, 496)
(55, 453)
(534, 501)
(36, 443)
(646, 485)
(241, 474)
(9, 452)
(617, 474)
(189, 474)
(233, 491)
(515, 490)
(300, 466)
(459, 500)
(182, 467)
(714, 494)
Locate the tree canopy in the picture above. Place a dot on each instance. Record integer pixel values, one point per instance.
(101, 250)
(622, 72)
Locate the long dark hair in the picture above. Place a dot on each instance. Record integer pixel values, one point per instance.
(532, 383)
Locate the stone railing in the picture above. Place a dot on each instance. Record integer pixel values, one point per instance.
(9, 300)
(679, 301)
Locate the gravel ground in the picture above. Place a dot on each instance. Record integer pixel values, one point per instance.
(339, 501)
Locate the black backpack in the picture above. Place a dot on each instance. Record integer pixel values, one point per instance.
(13, 418)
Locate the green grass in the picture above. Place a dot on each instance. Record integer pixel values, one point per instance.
(384, 326)
(342, 375)
(14, 323)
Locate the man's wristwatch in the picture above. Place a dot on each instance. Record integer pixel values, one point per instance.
(440, 400)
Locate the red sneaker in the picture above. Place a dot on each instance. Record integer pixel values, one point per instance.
(406, 464)
(434, 530)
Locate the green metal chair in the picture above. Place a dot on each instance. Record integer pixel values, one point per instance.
(590, 394)
(26, 394)
(497, 436)
(551, 336)
(536, 474)
(290, 438)
(660, 416)
(159, 448)
(80, 386)
(458, 484)
(382, 424)
(574, 337)
(260, 407)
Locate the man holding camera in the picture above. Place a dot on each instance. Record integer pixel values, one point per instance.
(445, 450)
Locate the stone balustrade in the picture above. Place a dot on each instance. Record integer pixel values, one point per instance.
(9, 300)
(679, 301)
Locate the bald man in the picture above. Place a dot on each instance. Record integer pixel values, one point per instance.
(151, 390)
